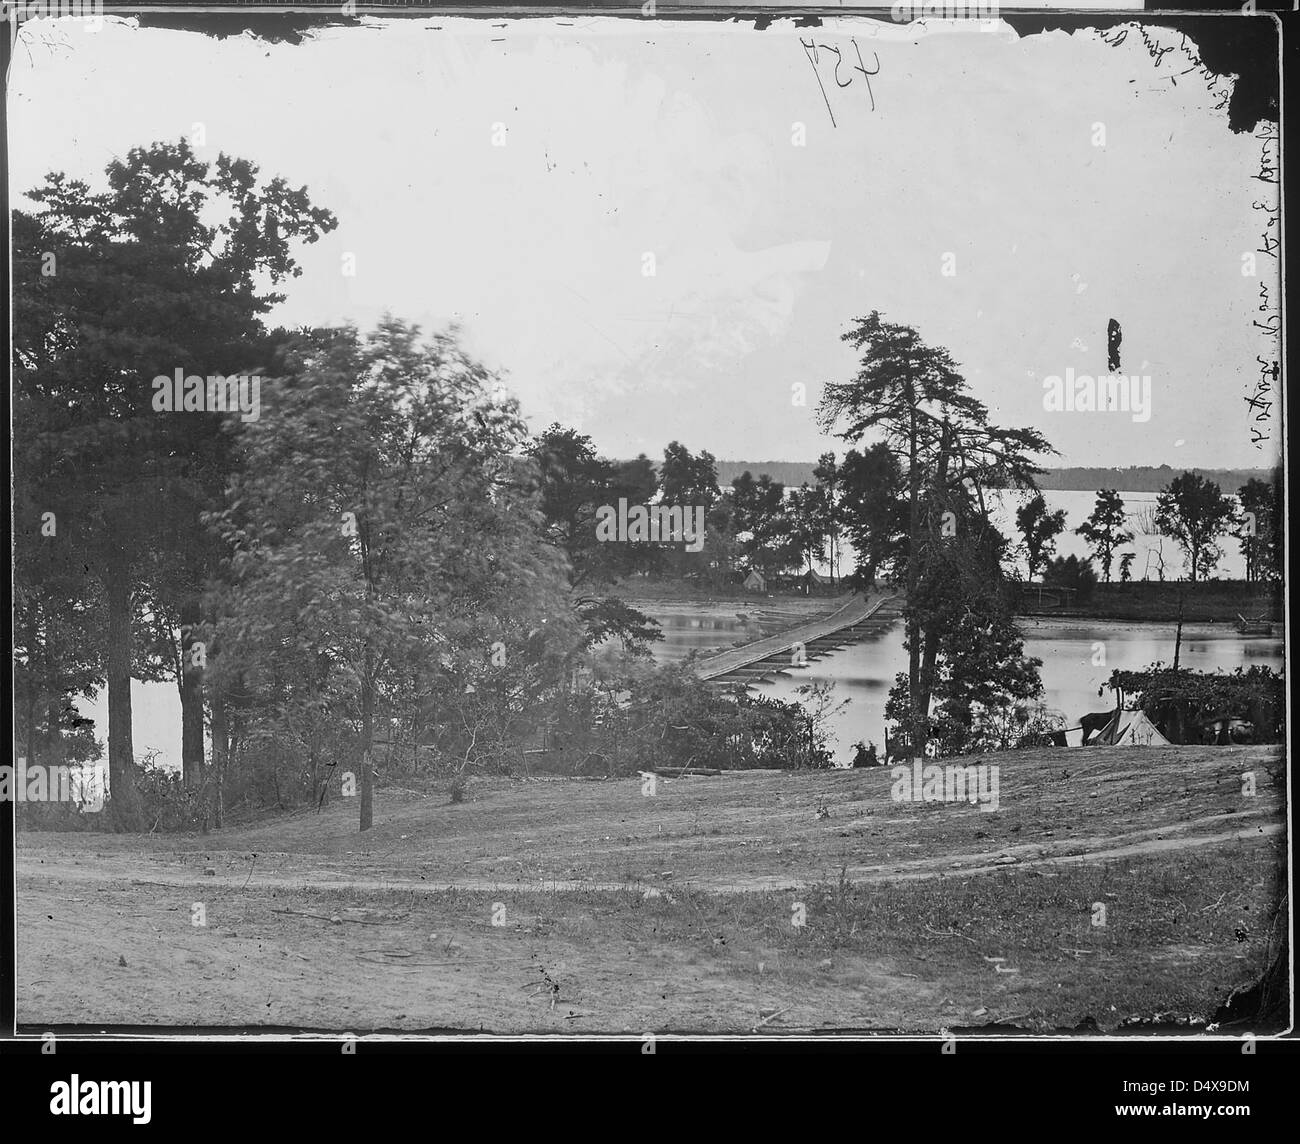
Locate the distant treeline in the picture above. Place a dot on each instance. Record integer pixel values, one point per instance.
(1144, 478)
(1133, 479)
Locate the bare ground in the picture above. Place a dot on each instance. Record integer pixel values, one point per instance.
(587, 906)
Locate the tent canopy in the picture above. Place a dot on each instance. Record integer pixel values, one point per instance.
(1131, 729)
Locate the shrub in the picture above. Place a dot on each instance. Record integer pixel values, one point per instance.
(1071, 572)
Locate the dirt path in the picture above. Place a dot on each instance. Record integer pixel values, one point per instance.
(562, 906)
(1155, 840)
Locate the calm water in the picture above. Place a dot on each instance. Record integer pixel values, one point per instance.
(864, 673)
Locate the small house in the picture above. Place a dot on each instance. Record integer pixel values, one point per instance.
(755, 582)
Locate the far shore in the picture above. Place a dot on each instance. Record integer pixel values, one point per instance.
(1212, 605)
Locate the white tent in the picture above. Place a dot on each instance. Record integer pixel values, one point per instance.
(1131, 729)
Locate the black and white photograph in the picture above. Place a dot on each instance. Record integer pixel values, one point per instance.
(647, 524)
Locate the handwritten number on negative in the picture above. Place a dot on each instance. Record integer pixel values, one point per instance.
(811, 47)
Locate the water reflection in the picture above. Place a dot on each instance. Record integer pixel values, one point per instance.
(1078, 657)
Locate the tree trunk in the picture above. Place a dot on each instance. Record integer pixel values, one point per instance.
(926, 651)
(929, 654)
(121, 751)
(220, 753)
(191, 688)
(367, 733)
(54, 733)
(917, 732)
(1178, 638)
(31, 724)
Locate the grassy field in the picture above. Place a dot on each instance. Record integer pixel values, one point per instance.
(570, 906)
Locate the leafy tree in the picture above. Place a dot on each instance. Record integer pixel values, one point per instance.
(688, 480)
(575, 484)
(913, 397)
(1195, 513)
(1104, 529)
(722, 547)
(691, 482)
(763, 523)
(385, 528)
(827, 475)
(1260, 530)
(1126, 567)
(872, 510)
(58, 637)
(985, 676)
(1039, 528)
(167, 268)
(809, 514)
(638, 482)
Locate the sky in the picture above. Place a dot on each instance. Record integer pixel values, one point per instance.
(519, 176)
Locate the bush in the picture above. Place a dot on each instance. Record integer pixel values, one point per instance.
(670, 717)
(864, 755)
(165, 802)
(1071, 572)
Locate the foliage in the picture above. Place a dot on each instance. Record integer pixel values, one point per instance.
(1179, 700)
(1039, 530)
(1195, 513)
(688, 480)
(1104, 529)
(912, 398)
(810, 514)
(1262, 532)
(386, 543)
(642, 716)
(763, 524)
(1071, 572)
(873, 511)
(166, 268)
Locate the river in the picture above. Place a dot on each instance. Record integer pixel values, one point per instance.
(864, 674)
(1069, 648)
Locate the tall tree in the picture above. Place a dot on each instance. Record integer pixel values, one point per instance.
(638, 483)
(165, 269)
(1195, 513)
(764, 524)
(827, 475)
(873, 511)
(912, 396)
(1039, 530)
(685, 479)
(574, 484)
(1260, 528)
(1104, 529)
(383, 519)
(809, 513)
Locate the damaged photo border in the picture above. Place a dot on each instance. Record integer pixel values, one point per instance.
(242, 393)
